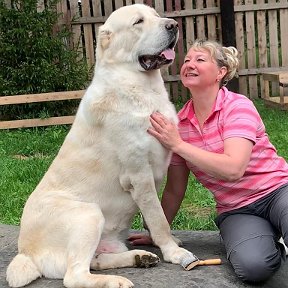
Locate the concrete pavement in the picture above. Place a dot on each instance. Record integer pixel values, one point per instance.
(204, 244)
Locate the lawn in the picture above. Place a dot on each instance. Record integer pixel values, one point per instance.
(25, 155)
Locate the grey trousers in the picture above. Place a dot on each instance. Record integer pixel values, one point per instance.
(251, 233)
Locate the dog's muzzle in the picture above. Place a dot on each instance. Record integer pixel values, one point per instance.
(167, 55)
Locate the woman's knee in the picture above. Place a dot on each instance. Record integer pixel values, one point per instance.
(256, 263)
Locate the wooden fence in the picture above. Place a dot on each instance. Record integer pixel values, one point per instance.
(258, 29)
(37, 98)
(261, 33)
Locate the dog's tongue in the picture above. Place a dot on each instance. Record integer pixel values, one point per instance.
(168, 54)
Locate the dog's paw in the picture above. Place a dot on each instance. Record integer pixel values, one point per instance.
(179, 256)
(96, 280)
(118, 282)
(147, 260)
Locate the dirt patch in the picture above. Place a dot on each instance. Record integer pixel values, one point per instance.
(196, 211)
(27, 157)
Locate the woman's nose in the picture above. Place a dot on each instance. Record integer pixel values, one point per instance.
(191, 64)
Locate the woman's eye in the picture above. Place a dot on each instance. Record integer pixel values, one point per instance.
(200, 59)
(139, 21)
(186, 60)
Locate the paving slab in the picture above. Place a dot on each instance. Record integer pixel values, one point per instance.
(204, 244)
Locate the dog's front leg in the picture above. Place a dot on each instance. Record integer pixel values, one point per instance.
(143, 191)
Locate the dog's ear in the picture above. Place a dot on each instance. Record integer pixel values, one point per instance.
(104, 37)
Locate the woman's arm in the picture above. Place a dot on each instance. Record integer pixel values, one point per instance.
(174, 191)
(229, 166)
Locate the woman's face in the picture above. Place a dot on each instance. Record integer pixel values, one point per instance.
(200, 69)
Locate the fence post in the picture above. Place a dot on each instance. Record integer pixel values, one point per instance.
(8, 3)
(228, 33)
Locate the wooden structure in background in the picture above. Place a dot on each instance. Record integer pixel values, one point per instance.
(36, 98)
(261, 34)
(281, 79)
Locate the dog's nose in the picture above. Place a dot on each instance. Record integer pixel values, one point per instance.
(171, 24)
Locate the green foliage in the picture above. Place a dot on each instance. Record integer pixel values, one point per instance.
(35, 56)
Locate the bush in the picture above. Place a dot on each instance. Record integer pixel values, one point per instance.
(33, 57)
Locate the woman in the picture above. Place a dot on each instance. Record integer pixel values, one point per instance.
(221, 139)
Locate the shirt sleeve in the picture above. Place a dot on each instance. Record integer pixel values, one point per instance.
(242, 120)
(177, 160)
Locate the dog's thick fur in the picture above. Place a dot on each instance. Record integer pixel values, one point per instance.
(108, 167)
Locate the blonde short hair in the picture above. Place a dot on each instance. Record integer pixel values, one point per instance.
(224, 56)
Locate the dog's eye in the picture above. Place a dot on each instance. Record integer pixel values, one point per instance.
(139, 21)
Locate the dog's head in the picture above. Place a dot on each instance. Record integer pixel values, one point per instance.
(137, 35)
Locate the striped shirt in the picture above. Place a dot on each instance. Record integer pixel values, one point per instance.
(233, 115)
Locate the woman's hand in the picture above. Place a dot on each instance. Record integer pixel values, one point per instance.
(140, 239)
(165, 131)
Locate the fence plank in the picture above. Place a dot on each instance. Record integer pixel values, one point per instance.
(173, 68)
(181, 91)
(255, 71)
(77, 43)
(219, 22)
(211, 22)
(262, 43)
(284, 38)
(62, 8)
(118, 3)
(284, 34)
(194, 12)
(8, 3)
(267, 6)
(251, 50)
(43, 97)
(108, 8)
(149, 2)
(200, 24)
(240, 43)
(190, 31)
(26, 123)
(97, 12)
(40, 6)
(228, 34)
(273, 43)
(159, 7)
(88, 34)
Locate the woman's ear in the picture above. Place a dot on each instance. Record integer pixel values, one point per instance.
(221, 73)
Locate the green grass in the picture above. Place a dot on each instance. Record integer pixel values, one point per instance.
(26, 154)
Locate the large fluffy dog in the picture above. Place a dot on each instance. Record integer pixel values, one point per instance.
(108, 167)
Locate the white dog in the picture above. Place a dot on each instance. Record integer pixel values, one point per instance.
(79, 215)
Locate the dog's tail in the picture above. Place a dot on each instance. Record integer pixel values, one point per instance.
(21, 271)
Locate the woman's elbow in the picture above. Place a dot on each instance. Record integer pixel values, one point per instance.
(233, 175)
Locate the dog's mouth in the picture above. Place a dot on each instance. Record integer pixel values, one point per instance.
(165, 57)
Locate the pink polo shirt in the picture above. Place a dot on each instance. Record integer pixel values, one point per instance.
(233, 115)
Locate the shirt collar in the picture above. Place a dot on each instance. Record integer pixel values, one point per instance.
(219, 103)
(188, 110)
